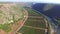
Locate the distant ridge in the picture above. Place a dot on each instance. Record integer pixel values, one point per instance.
(54, 12)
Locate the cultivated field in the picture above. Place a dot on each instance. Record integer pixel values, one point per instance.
(35, 23)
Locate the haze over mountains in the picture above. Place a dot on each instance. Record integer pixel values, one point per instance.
(51, 10)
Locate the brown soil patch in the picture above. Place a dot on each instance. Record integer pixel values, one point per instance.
(2, 31)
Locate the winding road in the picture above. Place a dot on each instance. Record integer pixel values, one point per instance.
(25, 18)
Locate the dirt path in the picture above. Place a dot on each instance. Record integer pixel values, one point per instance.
(25, 18)
(35, 20)
(38, 20)
(34, 27)
(34, 16)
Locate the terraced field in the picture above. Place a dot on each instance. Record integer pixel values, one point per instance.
(35, 24)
